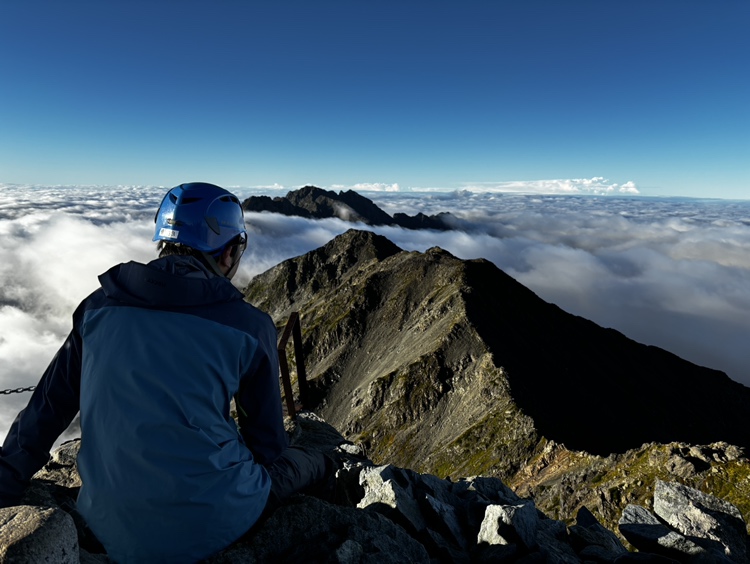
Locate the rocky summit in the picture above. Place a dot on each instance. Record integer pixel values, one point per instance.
(383, 514)
(452, 368)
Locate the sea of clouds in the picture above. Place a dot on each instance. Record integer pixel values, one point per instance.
(669, 272)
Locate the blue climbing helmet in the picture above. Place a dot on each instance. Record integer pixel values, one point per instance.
(202, 216)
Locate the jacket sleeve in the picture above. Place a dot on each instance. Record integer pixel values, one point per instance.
(260, 416)
(52, 407)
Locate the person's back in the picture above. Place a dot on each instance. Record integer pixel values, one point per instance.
(153, 361)
(158, 374)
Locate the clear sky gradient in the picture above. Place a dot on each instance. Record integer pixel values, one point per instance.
(432, 94)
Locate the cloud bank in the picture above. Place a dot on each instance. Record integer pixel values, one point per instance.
(598, 185)
(369, 187)
(673, 273)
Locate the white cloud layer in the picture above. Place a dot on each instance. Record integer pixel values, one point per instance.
(668, 272)
(368, 187)
(597, 186)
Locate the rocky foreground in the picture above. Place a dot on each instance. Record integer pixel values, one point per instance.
(385, 514)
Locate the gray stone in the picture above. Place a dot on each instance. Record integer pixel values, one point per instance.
(644, 531)
(644, 558)
(386, 491)
(446, 520)
(492, 489)
(680, 467)
(495, 553)
(350, 552)
(595, 553)
(29, 535)
(348, 489)
(703, 516)
(552, 540)
(441, 550)
(61, 468)
(508, 524)
(732, 452)
(352, 450)
(310, 530)
(592, 540)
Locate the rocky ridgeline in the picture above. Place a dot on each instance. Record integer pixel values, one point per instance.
(386, 514)
(315, 203)
(452, 368)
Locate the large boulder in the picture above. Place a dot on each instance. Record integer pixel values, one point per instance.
(306, 529)
(688, 526)
(717, 524)
(31, 534)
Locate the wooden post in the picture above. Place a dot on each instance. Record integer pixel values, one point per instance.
(293, 330)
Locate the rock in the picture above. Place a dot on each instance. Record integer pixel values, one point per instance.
(592, 540)
(492, 489)
(718, 524)
(645, 532)
(681, 467)
(509, 524)
(61, 469)
(644, 558)
(29, 535)
(390, 514)
(553, 542)
(441, 549)
(444, 518)
(495, 553)
(306, 529)
(561, 481)
(387, 491)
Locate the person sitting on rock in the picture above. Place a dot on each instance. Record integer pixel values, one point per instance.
(153, 361)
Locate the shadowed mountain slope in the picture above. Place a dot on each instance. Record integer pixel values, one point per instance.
(452, 367)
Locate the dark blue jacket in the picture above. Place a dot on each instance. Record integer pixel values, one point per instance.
(153, 361)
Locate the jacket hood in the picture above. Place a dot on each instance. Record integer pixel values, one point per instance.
(172, 281)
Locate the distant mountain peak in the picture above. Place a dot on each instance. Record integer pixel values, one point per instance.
(314, 202)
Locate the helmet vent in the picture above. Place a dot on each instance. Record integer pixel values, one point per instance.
(188, 200)
(230, 199)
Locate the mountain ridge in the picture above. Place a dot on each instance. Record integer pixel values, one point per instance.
(452, 368)
(535, 344)
(314, 202)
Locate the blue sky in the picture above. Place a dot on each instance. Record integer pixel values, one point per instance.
(421, 94)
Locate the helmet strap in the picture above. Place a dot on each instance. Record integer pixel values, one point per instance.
(211, 261)
(233, 269)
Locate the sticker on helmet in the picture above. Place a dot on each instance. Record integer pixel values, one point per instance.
(168, 233)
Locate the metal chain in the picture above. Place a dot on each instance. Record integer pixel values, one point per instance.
(17, 390)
